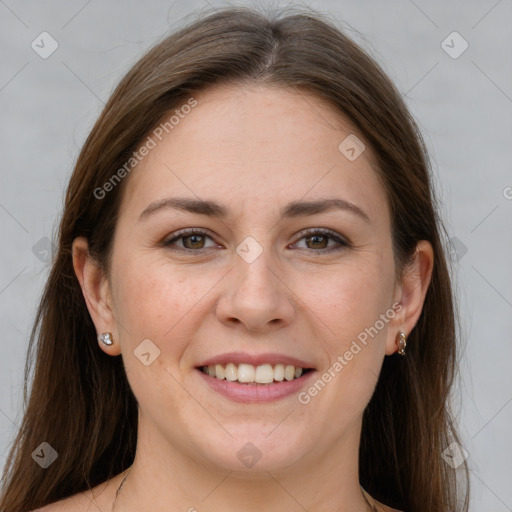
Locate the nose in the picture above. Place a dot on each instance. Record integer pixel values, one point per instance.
(256, 296)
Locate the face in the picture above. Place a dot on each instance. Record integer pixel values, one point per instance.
(289, 264)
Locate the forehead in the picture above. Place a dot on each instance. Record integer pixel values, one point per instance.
(253, 147)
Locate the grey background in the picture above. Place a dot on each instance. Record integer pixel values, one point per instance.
(463, 106)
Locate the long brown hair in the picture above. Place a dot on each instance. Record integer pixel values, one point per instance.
(80, 401)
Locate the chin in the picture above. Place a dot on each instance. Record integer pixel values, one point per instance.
(256, 450)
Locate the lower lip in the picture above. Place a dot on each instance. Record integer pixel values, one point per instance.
(251, 393)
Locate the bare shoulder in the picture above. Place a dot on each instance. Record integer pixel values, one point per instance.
(91, 500)
(76, 503)
(385, 508)
(377, 505)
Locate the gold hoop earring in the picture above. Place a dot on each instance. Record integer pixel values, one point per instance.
(106, 338)
(402, 343)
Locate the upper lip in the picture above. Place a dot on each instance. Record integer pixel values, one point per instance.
(256, 359)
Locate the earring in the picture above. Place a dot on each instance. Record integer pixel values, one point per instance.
(106, 338)
(402, 343)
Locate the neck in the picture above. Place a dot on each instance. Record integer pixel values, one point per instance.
(163, 477)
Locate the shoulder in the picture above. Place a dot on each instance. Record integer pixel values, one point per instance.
(385, 508)
(75, 503)
(377, 505)
(97, 498)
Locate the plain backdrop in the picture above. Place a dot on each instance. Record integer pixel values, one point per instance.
(461, 97)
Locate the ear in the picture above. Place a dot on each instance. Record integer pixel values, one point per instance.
(411, 292)
(96, 291)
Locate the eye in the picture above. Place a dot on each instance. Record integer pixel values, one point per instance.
(318, 239)
(191, 239)
(194, 239)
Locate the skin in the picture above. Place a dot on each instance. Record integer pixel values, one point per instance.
(255, 149)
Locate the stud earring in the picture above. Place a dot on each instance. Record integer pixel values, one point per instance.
(106, 338)
(402, 343)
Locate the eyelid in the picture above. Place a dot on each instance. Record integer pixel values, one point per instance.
(333, 235)
(176, 235)
(323, 231)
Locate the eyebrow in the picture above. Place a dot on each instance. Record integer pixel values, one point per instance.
(213, 209)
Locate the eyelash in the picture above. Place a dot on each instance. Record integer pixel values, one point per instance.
(183, 233)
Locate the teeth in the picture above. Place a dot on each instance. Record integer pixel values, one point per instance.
(247, 373)
(264, 374)
(279, 372)
(289, 372)
(220, 372)
(231, 372)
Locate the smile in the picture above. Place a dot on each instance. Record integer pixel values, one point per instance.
(250, 374)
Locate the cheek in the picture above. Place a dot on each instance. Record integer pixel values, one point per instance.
(151, 302)
(154, 302)
(349, 299)
(159, 301)
(353, 308)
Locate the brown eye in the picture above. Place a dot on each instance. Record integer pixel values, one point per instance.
(189, 240)
(317, 241)
(193, 241)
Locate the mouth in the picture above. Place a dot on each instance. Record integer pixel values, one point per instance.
(250, 374)
(255, 378)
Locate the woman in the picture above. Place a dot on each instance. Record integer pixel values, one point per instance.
(251, 226)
